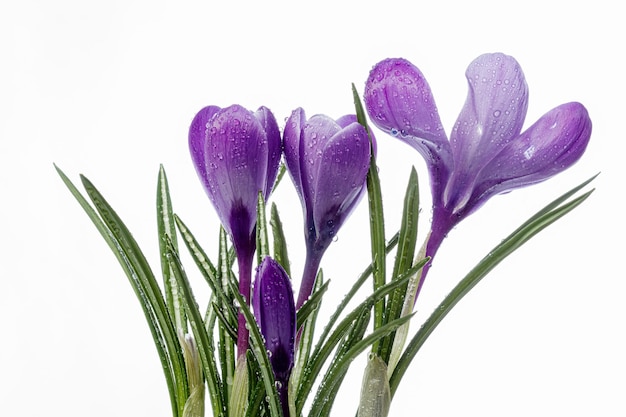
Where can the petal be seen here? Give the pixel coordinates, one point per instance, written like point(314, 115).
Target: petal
point(236, 155)
point(274, 145)
point(275, 312)
point(340, 180)
point(554, 143)
point(399, 101)
point(197, 139)
point(316, 134)
point(292, 137)
point(493, 114)
point(348, 119)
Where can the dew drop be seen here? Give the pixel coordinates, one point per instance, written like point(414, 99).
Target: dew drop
point(496, 113)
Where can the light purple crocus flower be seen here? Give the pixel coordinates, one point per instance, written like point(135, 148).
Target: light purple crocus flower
point(487, 153)
point(236, 154)
point(328, 161)
point(275, 313)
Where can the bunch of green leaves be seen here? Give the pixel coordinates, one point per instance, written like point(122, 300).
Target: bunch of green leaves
point(197, 348)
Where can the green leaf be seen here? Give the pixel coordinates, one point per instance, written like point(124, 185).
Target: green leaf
point(377, 220)
point(281, 173)
point(169, 351)
point(312, 304)
point(348, 297)
point(280, 244)
point(530, 228)
point(404, 259)
point(227, 355)
point(326, 344)
point(306, 322)
point(208, 271)
point(262, 241)
point(327, 397)
point(338, 368)
point(202, 338)
point(166, 227)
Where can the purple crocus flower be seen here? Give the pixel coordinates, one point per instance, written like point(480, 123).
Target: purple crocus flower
point(275, 313)
point(487, 153)
point(236, 154)
point(328, 161)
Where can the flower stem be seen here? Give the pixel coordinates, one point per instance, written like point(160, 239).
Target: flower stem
point(244, 260)
point(311, 265)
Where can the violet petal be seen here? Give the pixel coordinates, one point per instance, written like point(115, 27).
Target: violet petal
point(341, 179)
point(197, 138)
point(554, 143)
point(399, 101)
point(493, 114)
point(275, 313)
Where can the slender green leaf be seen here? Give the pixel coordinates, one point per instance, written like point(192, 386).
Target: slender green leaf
point(262, 241)
point(530, 228)
point(202, 338)
point(325, 345)
point(404, 259)
point(313, 301)
point(227, 324)
point(131, 270)
point(165, 226)
point(355, 334)
point(306, 322)
point(281, 173)
point(227, 354)
point(339, 367)
point(377, 220)
point(348, 297)
point(208, 271)
point(280, 244)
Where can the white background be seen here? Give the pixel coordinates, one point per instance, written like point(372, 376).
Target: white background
point(108, 89)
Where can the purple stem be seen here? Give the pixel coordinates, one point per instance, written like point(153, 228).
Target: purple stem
point(244, 260)
point(283, 394)
point(442, 223)
point(311, 265)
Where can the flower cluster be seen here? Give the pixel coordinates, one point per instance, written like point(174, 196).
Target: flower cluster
point(237, 152)
point(254, 346)
point(487, 153)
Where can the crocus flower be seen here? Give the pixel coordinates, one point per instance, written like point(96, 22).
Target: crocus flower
point(487, 153)
point(328, 161)
point(275, 313)
point(236, 154)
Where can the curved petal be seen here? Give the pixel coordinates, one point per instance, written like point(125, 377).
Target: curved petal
point(274, 146)
point(554, 143)
point(236, 155)
point(197, 139)
point(316, 134)
point(341, 180)
point(493, 114)
point(399, 101)
point(292, 136)
point(348, 119)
